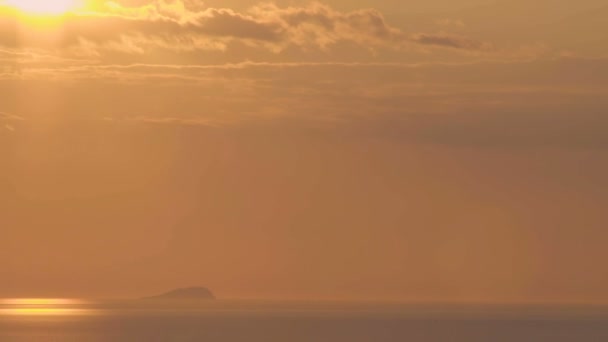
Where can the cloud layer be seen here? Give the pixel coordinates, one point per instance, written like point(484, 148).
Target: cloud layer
point(175, 26)
point(176, 62)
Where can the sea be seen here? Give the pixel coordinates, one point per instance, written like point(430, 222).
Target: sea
point(59, 320)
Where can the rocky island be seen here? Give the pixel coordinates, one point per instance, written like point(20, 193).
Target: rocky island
point(189, 293)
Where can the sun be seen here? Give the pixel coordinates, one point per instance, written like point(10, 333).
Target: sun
point(44, 7)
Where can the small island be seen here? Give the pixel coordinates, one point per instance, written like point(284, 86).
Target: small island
point(189, 293)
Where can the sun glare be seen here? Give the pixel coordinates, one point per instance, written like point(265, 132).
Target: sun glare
point(48, 307)
point(44, 7)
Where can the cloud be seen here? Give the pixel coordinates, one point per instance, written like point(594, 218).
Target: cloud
point(177, 26)
point(8, 121)
point(457, 23)
point(10, 117)
point(449, 40)
point(543, 103)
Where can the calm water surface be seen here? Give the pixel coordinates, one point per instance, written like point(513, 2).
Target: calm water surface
point(227, 321)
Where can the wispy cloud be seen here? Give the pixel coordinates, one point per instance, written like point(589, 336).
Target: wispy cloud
point(10, 117)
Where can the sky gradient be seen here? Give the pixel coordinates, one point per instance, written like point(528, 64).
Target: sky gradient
point(414, 150)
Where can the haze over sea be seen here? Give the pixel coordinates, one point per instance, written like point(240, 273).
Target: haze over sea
point(434, 151)
point(252, 321)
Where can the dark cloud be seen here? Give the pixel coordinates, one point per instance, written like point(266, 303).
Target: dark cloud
point(227, 23)
point(447, 40)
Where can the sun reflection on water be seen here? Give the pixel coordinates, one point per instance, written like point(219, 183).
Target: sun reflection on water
point(49, 307)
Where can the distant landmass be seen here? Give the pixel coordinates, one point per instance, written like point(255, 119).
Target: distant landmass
point(188, 293)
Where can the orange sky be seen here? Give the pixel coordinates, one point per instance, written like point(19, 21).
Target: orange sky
point(436, 150)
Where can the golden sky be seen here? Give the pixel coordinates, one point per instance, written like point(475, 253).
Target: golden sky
point(418, 150)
